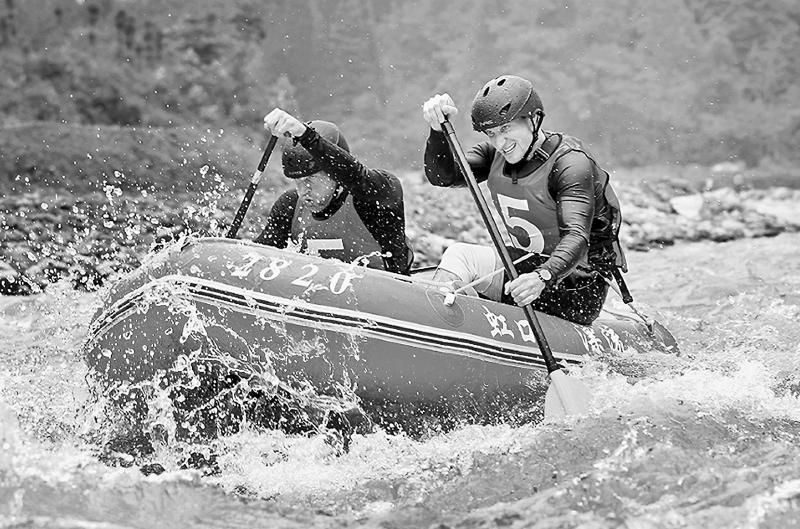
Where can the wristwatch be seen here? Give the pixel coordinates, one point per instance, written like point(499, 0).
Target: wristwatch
point(545, 275)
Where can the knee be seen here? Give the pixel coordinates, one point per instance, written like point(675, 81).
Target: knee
point(460, 258)
point(452, 265)
point(459, 249)
point(456, 255)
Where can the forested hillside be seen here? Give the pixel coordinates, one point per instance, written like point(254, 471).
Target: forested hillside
point(675, 81)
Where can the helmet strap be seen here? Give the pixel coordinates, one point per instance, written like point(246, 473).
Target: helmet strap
point(536, 128)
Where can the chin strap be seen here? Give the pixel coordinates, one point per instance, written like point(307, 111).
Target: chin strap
point(540, 155)
point(536, 153)
point(533, 159)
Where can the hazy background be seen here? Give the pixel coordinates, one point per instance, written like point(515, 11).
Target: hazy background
point(672, 82)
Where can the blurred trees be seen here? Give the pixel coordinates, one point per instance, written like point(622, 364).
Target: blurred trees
point(678, 81)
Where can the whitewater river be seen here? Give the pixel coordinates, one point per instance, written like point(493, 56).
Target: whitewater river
point(707, 439)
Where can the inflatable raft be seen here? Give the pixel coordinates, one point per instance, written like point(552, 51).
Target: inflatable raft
point(309, 322)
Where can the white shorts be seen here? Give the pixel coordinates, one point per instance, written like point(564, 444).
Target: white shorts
point(472, 261)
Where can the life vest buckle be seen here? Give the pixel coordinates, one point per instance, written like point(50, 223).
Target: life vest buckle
point(541, 154)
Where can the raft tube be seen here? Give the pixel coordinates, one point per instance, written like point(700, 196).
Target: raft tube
point(305, 321)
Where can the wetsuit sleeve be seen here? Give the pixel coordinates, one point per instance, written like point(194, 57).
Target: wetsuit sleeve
point(278, 228)
point(440, 167)
point(381, 210)
point(377, 196)
point(338, 163)
point(571, 184)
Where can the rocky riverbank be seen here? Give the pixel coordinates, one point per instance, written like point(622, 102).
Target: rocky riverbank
point(47, 234)
point(654, 215)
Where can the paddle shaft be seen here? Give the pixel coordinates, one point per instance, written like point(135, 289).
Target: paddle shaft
point(251, 189)
point(494, 232)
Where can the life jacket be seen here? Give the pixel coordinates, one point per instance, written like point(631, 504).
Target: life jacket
point(341, 236)
point(529, 210)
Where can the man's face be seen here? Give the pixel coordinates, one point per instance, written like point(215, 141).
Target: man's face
point(512, 139)
point(316, 190)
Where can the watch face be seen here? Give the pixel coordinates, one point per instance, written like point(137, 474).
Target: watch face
point(546, 275)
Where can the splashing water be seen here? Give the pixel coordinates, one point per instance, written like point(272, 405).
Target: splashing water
point(705, 439)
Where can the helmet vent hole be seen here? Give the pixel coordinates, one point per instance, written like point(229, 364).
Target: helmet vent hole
point(486, 92)
point(504, 110)
point(501, 82)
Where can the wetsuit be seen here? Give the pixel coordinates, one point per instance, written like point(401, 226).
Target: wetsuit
point(561, 208)
point(374, 195)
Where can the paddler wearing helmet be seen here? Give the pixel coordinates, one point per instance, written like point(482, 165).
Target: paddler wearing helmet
point(553, 197)
point(339, 208)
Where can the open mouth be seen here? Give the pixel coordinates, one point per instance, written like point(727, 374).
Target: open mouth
point(508, 149)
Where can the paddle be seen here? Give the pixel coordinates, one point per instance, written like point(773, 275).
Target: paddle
point(565, 396)
point(251, 189)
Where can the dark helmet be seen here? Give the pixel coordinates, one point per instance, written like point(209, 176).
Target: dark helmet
point(504, 99)
point(298, 162)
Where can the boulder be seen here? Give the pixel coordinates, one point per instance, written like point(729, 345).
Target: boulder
point(688, 206)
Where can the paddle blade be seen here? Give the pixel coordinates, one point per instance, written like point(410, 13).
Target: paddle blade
point(565, 396)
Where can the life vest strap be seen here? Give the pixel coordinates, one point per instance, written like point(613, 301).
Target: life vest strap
point(623, 287)
point(540, 155)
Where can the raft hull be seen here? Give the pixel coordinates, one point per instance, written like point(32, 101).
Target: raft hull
point(323, 324)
